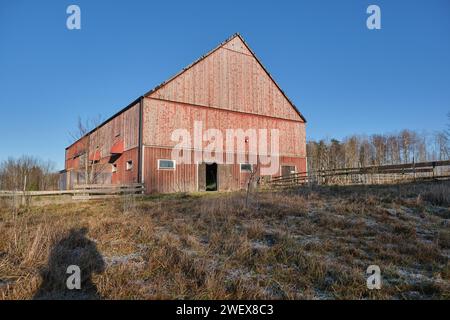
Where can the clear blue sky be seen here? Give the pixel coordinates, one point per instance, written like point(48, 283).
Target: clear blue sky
point(343, 77)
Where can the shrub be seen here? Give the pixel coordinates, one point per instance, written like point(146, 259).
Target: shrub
point(438, 194)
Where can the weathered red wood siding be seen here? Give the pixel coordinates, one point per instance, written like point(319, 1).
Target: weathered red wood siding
point(299, 163)
point(228, 89)
point(73, 153)
point(124, 176)
point(123, 127)
point(185, 177)
point(161, 118)
point(229, 78)
point(182, 179)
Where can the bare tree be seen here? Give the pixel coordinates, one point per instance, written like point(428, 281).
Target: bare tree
point(379, 143)
point(393, 149)
point(378, 149)
point(351, 146)
point(92, 143)
point(27, 174)
point(442, 141)
point(252, 181)
point(421, 152)
point(406, 142)
point(447, 132)
point(366, 153)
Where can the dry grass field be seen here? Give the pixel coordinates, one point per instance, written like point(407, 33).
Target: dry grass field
point(293, 244)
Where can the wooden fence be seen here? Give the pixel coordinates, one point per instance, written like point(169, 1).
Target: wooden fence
point(83, 192)
point(386, 174)
point(102, 191)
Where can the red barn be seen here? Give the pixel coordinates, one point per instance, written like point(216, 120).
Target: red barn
point(211, 110)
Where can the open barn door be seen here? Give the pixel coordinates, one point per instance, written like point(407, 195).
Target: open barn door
point(207, 177)
point(201, 176)
point(225, 177)
point(211, 177)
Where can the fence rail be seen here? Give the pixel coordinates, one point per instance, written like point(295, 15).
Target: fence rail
point(432, 170)
point(83, 192)
point(105, 191)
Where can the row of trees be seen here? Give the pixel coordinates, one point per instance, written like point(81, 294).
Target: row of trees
point(28, 173)
point(355, 151)
point(32, 174)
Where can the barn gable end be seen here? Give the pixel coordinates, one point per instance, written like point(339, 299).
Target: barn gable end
point(230, 77)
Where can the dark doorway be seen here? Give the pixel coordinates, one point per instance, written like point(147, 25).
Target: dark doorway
point(211, 177)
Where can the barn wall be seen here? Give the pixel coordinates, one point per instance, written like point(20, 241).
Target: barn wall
point(182, 179)
point(228, 89)
point(229, 78)
point(161, 118)
point(73, 154)
point(124, 127)
point(185, 176)
point(124, 176)
point(299, 163)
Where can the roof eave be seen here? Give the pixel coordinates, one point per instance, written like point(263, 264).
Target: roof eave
point(107, 120)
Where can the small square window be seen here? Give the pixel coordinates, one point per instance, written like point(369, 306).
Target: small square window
point(287, 170)
point(114, 167)
point(166, 164)
point(129, 165)
point(246, 167)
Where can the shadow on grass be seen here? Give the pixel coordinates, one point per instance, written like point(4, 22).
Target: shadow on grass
point(74, 249)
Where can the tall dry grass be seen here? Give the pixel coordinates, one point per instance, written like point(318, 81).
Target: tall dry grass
point(295, 244)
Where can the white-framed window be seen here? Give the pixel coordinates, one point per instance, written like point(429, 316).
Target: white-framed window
point(129, 164)
point(166, 164)
point(114, 167)
point(246, 167)
point(288, 169)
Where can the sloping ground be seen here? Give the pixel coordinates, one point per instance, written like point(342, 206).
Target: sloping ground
point(297, 244)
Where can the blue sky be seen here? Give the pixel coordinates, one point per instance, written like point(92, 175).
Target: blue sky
point(343, 77)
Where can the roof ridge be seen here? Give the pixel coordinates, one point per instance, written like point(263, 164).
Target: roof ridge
point(271, 78)
point(234, 35)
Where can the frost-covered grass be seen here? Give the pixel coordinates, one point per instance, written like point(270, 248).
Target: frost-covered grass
point(294, 244)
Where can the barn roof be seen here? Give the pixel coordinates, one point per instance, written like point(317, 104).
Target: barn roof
point(188, 67)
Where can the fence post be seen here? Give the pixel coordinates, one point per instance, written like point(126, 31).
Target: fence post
point(24, 189)
point(434, 166)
